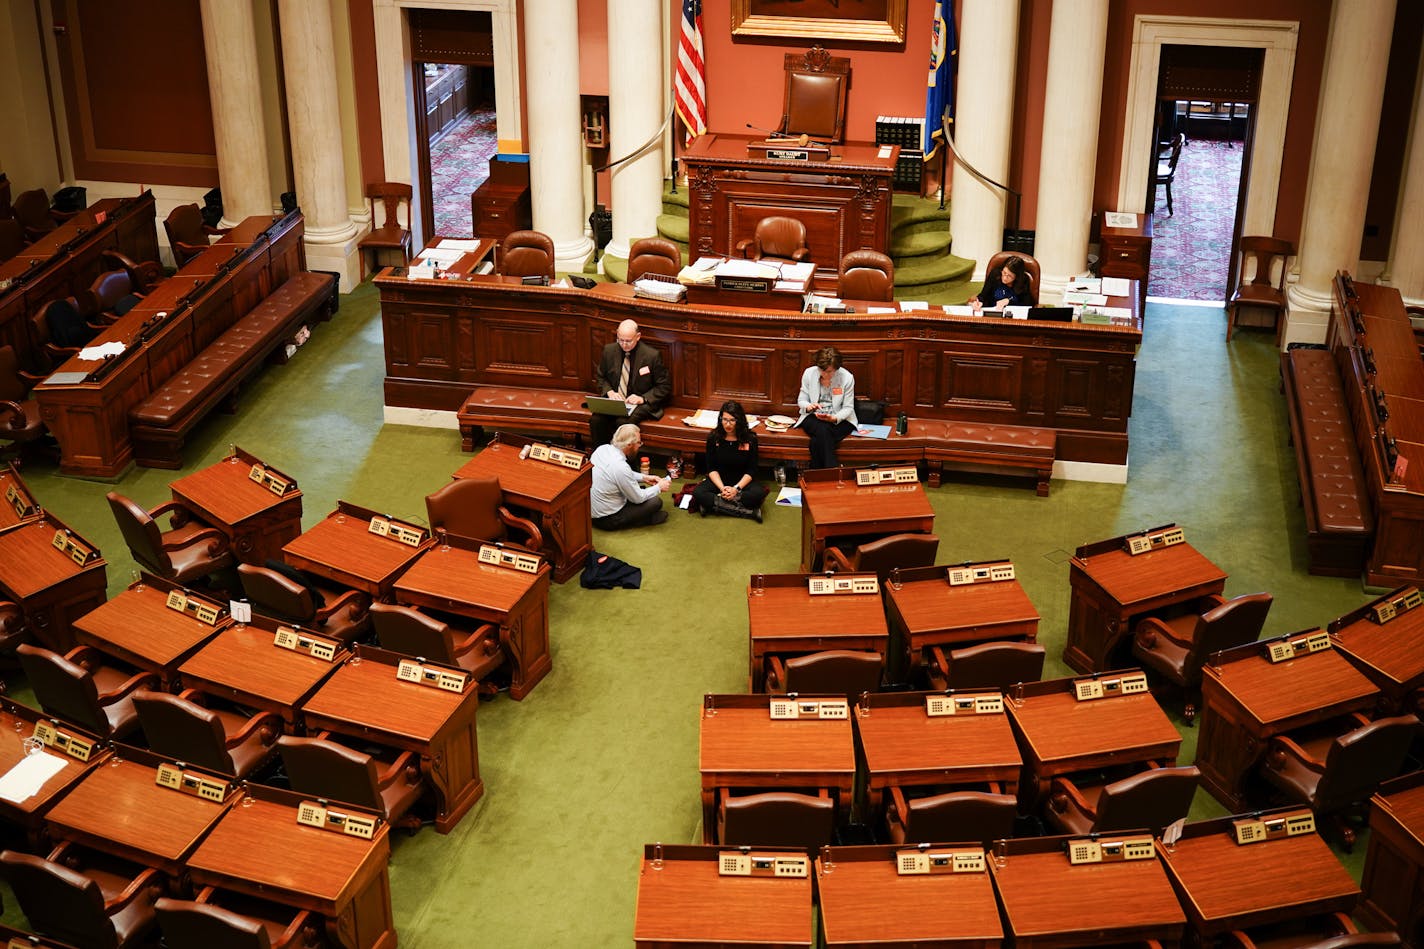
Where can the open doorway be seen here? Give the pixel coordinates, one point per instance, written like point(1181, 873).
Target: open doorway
point(1205, 117)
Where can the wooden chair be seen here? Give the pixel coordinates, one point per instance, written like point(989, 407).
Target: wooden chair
point(59, 329)
point(834, 671)
point(294, 597)
point(783, 238)
point(32, 211)
point(143, 276)
point(1177, 648)
point(1031, 267)
point(390, 235)
point(986, 666)
point(474, 508)
point(1151, 800)
point(527, 254)
point(775, 819)
point(217, 920)
point(653, 255)
point(1261, 257)
point(227, 742)
point(408, 631)
point(107, 905)
point(1166, 171)
point(188, 236)
point(1329, 931)
point(109, 297)
point(866, 275)
point(884, 555)
point(953, 817)
point(190, 551)
point(388, 786)
point(815, 100)
point(79, 688)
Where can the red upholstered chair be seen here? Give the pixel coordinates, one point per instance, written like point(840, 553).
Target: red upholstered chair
point(775, 819)
point(299, 598)
point(408, 631)
point(1177, 648)
point(220, 920)
point(866, 275)
point(387, 785)
point(190, 551)
point(954, 817)
point(835, 671)
point(1149, 800)
point(527, 254)
point(1265, 259)
point(78, 687)
point(391, 235)
point(227, 742)
point(780, 237)
point(103, 904)
point(653, 255)
point(474, 508)
point(188, 236)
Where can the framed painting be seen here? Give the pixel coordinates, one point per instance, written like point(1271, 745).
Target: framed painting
point(852, 21)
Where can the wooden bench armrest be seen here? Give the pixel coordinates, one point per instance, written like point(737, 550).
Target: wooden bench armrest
point(12, 411)
point(775, 673)
point(1283, 745)
point(897, 811)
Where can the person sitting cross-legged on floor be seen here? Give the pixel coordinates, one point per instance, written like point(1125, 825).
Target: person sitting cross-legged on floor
point(731, 486)
point(621, 497)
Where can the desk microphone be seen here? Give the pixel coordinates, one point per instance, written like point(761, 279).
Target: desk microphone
point(767, 132)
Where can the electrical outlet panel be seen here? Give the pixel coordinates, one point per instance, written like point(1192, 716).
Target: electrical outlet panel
point(315, 815)
point(1112, 850)
point(867, 477)
point(922, 862)
point(408, 670)
point(1169, 536)
point(738, 864)
point(511, 559)
point(842, 583)
point(790, 708)
point(276, 483)
point(1291, 647)
point(987, 572)
point(72, 745)
point(294, 639)
point(397, 531)
point(937, 706)
point(175, 778)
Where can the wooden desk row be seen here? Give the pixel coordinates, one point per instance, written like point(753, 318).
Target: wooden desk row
point(1028, 891)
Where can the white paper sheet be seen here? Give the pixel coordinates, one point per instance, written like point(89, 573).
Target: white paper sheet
point(461, 244)
point(1116, 286)
point(28, 775)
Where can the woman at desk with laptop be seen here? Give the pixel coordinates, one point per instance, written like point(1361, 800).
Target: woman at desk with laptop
point(1011, 286)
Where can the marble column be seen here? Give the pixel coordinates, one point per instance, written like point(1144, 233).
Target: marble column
point(318, 158)
point(635, 110)
point(1077, 42)
point(983, 129)
point(1342, 158)
point(235, 90)
point(1405, 269)
point(555, 136)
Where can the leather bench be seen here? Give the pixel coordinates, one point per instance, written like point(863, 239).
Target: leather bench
point(159, 424)
point(977, 445)
point(556, 412)
point(1338, 516)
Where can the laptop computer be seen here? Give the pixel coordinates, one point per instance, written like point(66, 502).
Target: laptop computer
point(605, 406)
point(1058, 314)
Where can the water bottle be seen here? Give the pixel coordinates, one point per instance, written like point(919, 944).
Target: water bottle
point(902, 424)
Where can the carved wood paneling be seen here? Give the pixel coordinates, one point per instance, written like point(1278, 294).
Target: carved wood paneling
point(741, 374)
point(982, 380)
point(523, 348)
point(1075, 388)
point(926, 379)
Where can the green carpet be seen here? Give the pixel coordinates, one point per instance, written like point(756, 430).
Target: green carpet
point(602, 756)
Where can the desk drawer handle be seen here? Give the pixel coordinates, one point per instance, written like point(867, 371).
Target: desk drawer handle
point(1124, 255)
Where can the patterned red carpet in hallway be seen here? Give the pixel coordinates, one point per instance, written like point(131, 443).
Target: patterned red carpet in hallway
point(459, 163)
point(1191, 248)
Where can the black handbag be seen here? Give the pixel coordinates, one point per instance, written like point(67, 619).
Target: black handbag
point(870, 411)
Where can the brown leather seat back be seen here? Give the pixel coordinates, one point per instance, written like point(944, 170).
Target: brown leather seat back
point(960, 817)
point(63, 688)
point(653, 255)
point(332, 771)
point(995, 665)
point(12, 387)
point(1359, 760)
point(410, 632)
point(183, 730)
point(32, 210)
point(141, 533)
point(189, 925)
point(835, 671)
point(1151, 800)
point(898, 550)
point(780, 236)
point(1236, 622)
point(866, 275)
point(527, 254)
point(1031, 267)
point(276, 595)
point(778, 819)
point(814, 102)
point(58, 901)
point(111, 287)
point(468, 507)
point(184, 224)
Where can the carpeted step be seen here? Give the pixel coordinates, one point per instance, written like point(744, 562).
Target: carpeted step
point(675, 203)
point(615, 269)
point(675, 229)
point(932, 278)
point(906, 247)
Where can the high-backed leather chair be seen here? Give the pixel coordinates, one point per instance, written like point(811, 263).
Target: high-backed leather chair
point(1265, 259)
point(954, 817)
point(866, 275)
point(1031, 267)
point(60, 329)
point(178, 726)
point(19, 416)
point(1151, 799)
point(815, 100)
point(144, 275)
point(188, 236)
point(32, 211)
point(780, 237)
point(835, 671)
point(189, 551)
point(336, 772)
point(109, 297)
point(12, 238)
point(987, 666)
point(236, 923)
point(408, 631)
point(775, 819)
point(1177, 648)
point(1322, 931)
point(474, 508)
point(340, 614)
point(654, 255)
point(527, 254)
point(106, 906)
point(79, 688)
point(1331, 770)
point(391, 235)
point(884, 555)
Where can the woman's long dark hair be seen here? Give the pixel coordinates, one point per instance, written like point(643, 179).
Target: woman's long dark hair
point(734, 409)
point(1023, 287)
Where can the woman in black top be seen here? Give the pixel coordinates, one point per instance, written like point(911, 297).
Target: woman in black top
point(731, 486)
point(1011, 286)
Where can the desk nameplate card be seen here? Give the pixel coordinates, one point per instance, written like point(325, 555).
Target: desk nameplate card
point(923, 861)
point(1130, 683)
point(71, 745)
point(278, 484)
point(832, 584)
point(743, 863)
point(1292, 645)
point(989, 571)
point(791, 708)
point(396, 530)
point(175, 778)
point(298, 641)
point(1254, 830)
point(1088, 850)
point(409, 670)
point(869, 477)
point(315, 814)
point(199, 609)
point(937, 706)
point(1169, 535)
point(74, 548)
point(510, 559)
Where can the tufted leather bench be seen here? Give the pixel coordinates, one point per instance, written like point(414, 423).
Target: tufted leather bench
point(979, 445)
point(159, 424)
point(557, 412)
point(1333, 492)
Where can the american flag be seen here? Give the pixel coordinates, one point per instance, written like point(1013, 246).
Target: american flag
point(689, 87)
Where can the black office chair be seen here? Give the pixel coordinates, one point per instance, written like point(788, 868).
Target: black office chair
point(1166, 171)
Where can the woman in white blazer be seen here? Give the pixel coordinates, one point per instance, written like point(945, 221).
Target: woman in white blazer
point(827, 404)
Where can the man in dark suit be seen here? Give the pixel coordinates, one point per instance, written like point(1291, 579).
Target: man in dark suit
point(633, 371)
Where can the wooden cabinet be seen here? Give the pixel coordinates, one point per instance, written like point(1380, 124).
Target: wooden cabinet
point(446, 98)
point(1127, 252)
point(501, 204)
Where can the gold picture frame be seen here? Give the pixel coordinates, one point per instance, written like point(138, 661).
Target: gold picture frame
point(821, 20)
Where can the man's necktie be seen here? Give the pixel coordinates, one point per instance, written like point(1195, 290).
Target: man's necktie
point(623, 376)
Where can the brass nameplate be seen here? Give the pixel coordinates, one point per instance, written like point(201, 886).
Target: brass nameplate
point(1156, 540)
point(199, 609)
point(556, 456)
point(271, 480)
point(1254, 830)
point(352, 825)
point(298, 641)
point(868, 477)
point(1132, 683)
point(733, 863)
point(790, 707)
point(71, 745)
point(1110, 851)
point(513, 560)
point(980, 573)
point(821, 586)
point(73, 548)
point(937, 706)
point(171, 776)
point(923, 862)
point(396, 530)
point(1386, 610)
point(408, 670)
point(743, 284)
point(1288, 648)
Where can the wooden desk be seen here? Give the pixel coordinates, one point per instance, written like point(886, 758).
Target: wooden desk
point(927, 611)
point(19, 938)
point(16, 502)
point(17, 722)
point(450, 577)
point(1247, 700)
point(739, 746)
point(1112, 590)
point(1391, 655)
point(242, 664)
point(257, 522)
point(259, 849)
point(784, 619)
point(902, 746)
point(138, 627)
point(833, 506)
point(866, 904)
point(49, 586)
point(468, 261)
point(683, 902)
point(342, 549)
point(552, 496)
point(1127, 252)
point(363, 698)
point(117, 808)
point(1394, 863)
point(1060, 735)
point(1049, 902)
point(1226, 886)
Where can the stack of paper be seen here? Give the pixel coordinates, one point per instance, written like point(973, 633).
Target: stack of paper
point(707, 418)
point(1115, 286)
point(92, 353)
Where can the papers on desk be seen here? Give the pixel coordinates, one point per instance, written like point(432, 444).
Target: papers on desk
point(1086, 299)
point(1017, 312)
point(665, 290)
point(94, 353)
point(800, 273)
point(963, 309)
point(1116, 286)
point(910, 306)
point(485, 267)
point(881, 309)
point(29, 774)
point(819, 303)
point(462, 244)
point(441, 254)
point(748, 268)
point(707, 418)
point(1084, 285)
point(789, 496)
point(421, 270)
point(1119, 219)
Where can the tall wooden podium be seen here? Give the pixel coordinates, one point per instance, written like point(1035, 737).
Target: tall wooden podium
point(844, 200)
